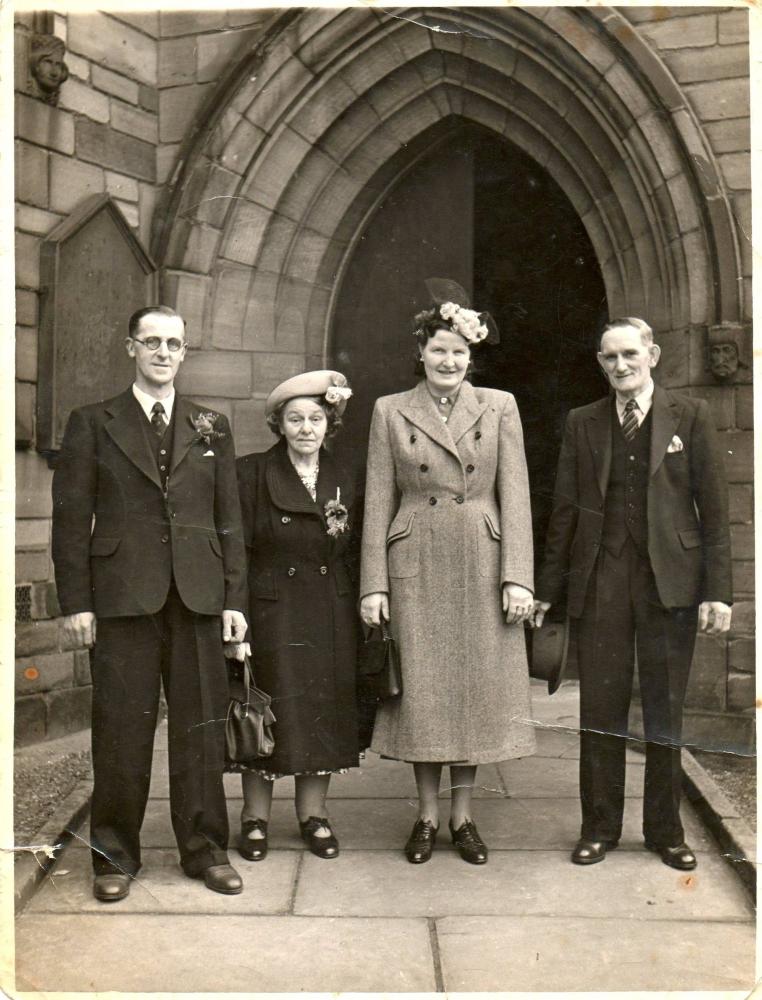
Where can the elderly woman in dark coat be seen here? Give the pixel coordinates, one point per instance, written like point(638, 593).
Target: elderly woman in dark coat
point(298, 509)
point(447, 557)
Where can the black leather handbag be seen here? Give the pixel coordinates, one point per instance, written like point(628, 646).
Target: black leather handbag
point(248, 724)
point(379, 667)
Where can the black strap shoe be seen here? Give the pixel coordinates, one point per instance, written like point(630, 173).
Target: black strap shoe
point(421, 842)
point(590, 852)
point(322, 847)
point(470, 845)
point(111, 887)
point(253, 848)
point(680, 857)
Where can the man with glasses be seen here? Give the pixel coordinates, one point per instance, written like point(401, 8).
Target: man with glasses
point(150, 570)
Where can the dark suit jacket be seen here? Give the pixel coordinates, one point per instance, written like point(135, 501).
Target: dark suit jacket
point(118, 542)
point(688, 534)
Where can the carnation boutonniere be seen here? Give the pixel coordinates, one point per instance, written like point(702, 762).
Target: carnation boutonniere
point(204, 425)
point(336, 515)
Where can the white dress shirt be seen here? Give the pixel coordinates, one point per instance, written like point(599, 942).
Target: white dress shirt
point(147, 403)
point(644, 400)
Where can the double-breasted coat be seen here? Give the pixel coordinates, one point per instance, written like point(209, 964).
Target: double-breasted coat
point(447, 522)
point(303, 622)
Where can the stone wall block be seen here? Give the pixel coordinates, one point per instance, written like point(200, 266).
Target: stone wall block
point(741, 691)
point(78, 67)
point(708, 678)
point(31, 174)
point(700, 283)
point(216, 373)
point(148, 98)
point(738, 452)
point(249, 427)
point(280, 82)
point(32, 566)
point(230, 297)
point(721, 401)
point(213, 203)
point(36, 637)
point(246, 231)
point(134, 121)
point(177, 61)
point(733, 27)
point(736, 170)
point(277, 167)
point(269, 369)
point(45, 601)
point(216, 53)
point(743, 619)
point(684, 202)
point(146, 21)
point(71, 181)
point(742, 541)
point(741, 209)
point(741, 503)
point(44, 125)
point(241, 147)
point(694, 65)
point(166, 161)
point(115, 84)
point(82, 672)
point(114, 45)
point(178, 107)
point(119, 186)
point(188, 293)
point(130, 213)
point(719, 99)
point(29, 720)
point(745, 407)
point(68, 711)
point(44, 673)
point(190, 22)
point(201, 249)
point(742, 656)
point(681, 32)
point(33, 534)
point(217, 403)
point(744, 583)
point(730, 136)
point(35, 220)
point(79, 97)
point(27, 260)
point(115, 150)
point(26, 307)
point(336, 97)
point(33, 483)
point(26, 354)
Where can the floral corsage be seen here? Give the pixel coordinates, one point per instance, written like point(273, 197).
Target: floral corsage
point(336, 515)
point(334, 394)
point(466, 322)
point(204, 424)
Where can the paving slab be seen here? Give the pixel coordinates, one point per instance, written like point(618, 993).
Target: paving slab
point(530, 777)
point(161, 887)
point(229, 953)
point(629, 884)
point(589, 955)
point(384, 824)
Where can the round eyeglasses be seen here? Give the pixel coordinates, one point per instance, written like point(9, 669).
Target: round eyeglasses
point(154, 343)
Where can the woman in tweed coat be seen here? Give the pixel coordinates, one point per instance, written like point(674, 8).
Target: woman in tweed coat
point(447, 559)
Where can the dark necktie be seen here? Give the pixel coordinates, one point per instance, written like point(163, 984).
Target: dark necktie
point(630, 422)
point(157, 419)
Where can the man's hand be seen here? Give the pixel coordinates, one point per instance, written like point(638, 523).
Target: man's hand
point(233, 626)
point(79, 629)
point(517, 603)
point(374, 607)
point(714, 617)
point(236, 650)
point(541, 608)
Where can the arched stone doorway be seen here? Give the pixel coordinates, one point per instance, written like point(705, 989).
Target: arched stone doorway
point(308, 135)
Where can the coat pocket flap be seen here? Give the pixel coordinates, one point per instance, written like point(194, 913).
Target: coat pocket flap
point(493, 528)
point(690, 537)
point(103, 546)
point(401, 530)
point(263, 587)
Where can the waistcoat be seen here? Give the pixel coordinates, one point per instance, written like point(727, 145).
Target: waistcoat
point(625, 513)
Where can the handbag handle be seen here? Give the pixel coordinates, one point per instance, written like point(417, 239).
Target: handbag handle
point(385, 633)
point(246, 686)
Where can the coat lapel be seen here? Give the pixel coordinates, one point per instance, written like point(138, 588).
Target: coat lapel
point(286, 489)
point(127, 431)
point(599, 437)
point(421, 410)
point(465, 413)
point(184, 433)
point(666, 417)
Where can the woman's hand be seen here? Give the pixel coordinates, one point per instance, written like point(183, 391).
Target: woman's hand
point(236, 650)
point(518, 603)
point(374, 607)
point(539, 611)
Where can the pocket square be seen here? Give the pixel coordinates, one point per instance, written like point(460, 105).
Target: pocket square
point(674, 445)
point(210, 453)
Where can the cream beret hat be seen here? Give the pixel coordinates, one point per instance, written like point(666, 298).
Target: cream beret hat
point(332, 385)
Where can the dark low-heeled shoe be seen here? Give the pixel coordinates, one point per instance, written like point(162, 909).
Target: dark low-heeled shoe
point(421, 842)
point(590, 852)
point(111, 887)
point(253, 848)
point(221, 878)
point(680, 857)
point(470, 845)
point(322, 847)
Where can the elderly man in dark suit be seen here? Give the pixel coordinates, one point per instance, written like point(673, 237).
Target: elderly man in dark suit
point(639, 541)
point(150, 569)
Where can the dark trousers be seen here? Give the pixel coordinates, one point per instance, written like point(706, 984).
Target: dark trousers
point(622, 616)
point(132, 657)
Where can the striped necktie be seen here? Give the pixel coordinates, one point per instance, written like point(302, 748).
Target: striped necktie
point(630, 421)
point(158, 422)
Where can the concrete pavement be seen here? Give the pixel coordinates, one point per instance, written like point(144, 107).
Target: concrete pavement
point(370, 922)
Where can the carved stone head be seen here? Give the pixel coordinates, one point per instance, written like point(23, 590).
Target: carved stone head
point(723, 360)
point(47, 66)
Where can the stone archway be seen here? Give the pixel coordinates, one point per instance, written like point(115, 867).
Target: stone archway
point(318, 122)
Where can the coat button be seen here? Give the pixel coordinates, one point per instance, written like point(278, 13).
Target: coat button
point(285, 519)
point(469, 468)
point(433, 501)
point(163, 451)
point(323, 570)
point(459, 499)
point(291, 571)
point(478, 435)
point(424, 467)
point(413, 439)
point(165, 539)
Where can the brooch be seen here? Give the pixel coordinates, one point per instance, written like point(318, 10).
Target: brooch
point(336, 515)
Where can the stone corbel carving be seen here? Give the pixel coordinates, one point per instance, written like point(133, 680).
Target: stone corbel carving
point(723, 352)
point(47, 67)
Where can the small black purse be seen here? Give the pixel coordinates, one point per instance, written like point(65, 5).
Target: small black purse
point(247, 727)
point(379, 666)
